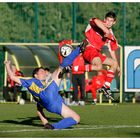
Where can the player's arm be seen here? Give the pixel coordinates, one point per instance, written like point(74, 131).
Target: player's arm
point(41, 114)
point(113, 47)
point(10, 72)
point(113, 55)
point(101, 25)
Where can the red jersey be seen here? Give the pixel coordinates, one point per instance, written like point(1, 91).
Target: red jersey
point(12, 83)
point(99, 80)
point(78, 63)
point(94, 35)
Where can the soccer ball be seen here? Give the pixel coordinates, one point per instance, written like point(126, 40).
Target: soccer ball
point(21, 101)
point(65, 50)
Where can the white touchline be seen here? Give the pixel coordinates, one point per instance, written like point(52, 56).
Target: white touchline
point(88, 127)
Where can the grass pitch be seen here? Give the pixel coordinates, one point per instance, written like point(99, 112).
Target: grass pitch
point(121, 120)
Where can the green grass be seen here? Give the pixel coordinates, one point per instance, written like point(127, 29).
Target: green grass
point(122, 120)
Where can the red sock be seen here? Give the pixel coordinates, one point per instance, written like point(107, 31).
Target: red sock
point(93, 94)
point(109, 78)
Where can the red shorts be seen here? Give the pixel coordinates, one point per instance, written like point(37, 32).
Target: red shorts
point(91, 53)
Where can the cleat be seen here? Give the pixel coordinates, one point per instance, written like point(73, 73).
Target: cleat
point(99, 90)
point(83, 45)
point(106, 92)
point(93, 103)
point(74, 103)
point(48, 126)
point(64, 70)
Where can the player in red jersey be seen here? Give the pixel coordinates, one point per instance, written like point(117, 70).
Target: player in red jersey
point(98, 33)
point(96, 83)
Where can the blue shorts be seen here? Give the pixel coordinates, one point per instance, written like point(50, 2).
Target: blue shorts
point(51, 99)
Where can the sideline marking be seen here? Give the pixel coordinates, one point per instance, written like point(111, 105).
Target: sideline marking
point(88, 127)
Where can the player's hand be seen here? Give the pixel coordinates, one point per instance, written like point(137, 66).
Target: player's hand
point(7, 62)
point(106, 35)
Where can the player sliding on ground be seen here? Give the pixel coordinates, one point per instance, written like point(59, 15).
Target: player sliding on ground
point(98, 33)
point(46, 94)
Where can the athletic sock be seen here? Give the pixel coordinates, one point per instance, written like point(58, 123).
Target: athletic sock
point(65, 123)
point(109, 78)
point(70, 58)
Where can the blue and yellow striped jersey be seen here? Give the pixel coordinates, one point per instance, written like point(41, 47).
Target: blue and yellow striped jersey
point(34, 85)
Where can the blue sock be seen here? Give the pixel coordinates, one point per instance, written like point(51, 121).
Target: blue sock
point(70, 58)
point(65, 123)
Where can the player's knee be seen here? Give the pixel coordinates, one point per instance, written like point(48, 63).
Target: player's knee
point(99, 67)
point(77, 118)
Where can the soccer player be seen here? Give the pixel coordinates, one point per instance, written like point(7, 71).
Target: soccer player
point(46, 94)
point(96, 83)
point(98, 33)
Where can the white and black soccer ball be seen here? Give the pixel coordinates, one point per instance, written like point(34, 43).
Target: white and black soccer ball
point(65, 50)
point(21, 101)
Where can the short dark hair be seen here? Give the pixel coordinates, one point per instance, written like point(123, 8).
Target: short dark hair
point(111, 14)
point(35, 71)
point(46, 68)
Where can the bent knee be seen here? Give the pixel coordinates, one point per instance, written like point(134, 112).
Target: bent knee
point(77, 118)
point(99, 67)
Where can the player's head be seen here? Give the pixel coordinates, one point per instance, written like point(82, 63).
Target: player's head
point(47, 70)
point(39, 73)
point(110, 19)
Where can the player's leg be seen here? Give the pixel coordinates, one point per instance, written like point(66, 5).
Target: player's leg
point(94, 57)
point(42, 117)
point(81, 82)
point(70, 118)
point(110, 76)
point(66, 62)
point(96, 64)
point(111, 72)
point(94, 96)
point(53, 102)
point(75, 89)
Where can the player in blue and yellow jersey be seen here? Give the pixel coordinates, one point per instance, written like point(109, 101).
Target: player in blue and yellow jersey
point(46, 93)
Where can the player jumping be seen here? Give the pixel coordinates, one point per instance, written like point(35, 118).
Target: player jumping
point(98, 33)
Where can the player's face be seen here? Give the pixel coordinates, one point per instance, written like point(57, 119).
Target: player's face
point(41, 74)
point(109, 22)
point(47, 72)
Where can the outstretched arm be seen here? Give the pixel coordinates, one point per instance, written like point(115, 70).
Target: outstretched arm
point(113, 55)
point(10, 72)
point(41, 114)
point(101, 25)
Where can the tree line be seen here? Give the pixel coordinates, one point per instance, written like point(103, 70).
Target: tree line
point(52, 22)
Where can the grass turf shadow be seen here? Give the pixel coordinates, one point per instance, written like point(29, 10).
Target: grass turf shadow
point(29, 121)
